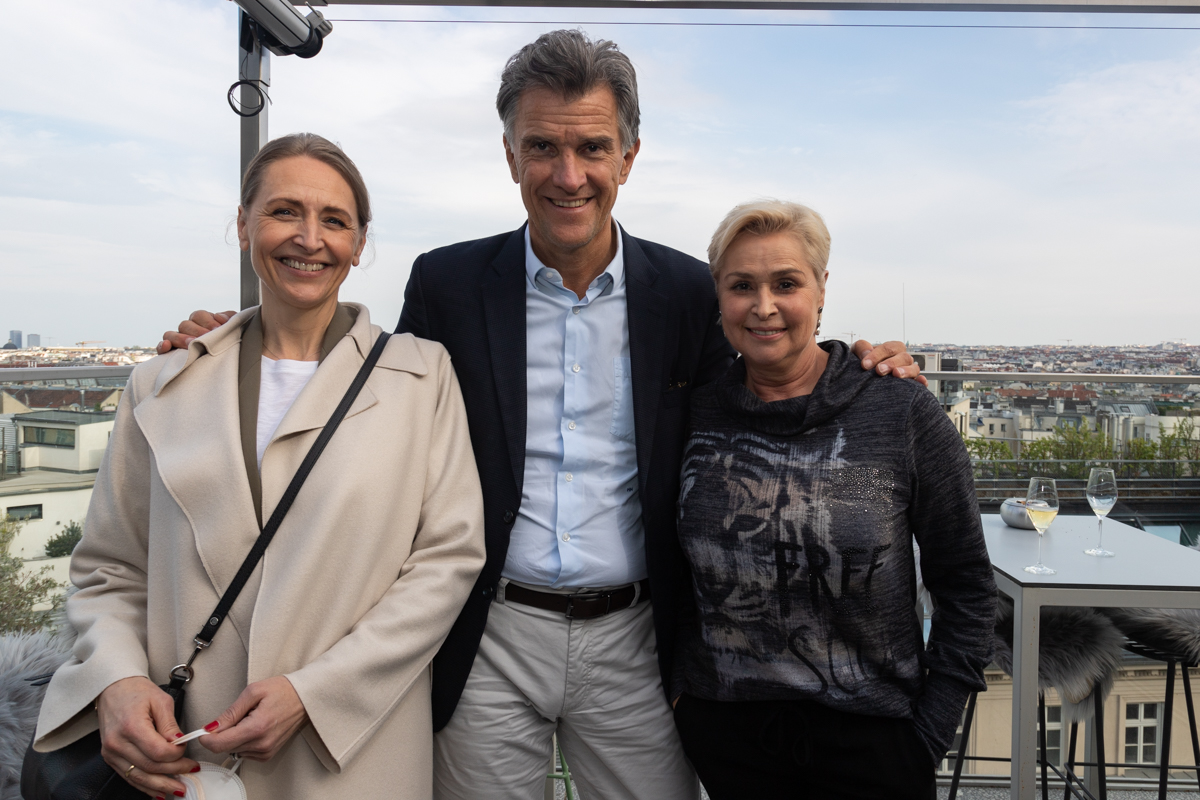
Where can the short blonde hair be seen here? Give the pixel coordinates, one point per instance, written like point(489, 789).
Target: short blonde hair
point(764, 217)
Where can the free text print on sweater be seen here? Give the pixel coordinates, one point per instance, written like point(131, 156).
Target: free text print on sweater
point(797, 518)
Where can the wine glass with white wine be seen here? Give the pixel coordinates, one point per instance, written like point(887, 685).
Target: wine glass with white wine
point(1041, 504)
point(1101, 496)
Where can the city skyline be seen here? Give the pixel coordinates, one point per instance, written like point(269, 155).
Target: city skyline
point(1012, 186)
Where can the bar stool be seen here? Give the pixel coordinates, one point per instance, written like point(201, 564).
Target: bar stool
point(1079, 652)
point(1172, 636)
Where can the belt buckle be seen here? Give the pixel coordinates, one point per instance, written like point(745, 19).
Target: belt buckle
point(571, 598)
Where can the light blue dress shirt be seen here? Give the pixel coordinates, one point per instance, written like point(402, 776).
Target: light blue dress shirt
point(580, 522)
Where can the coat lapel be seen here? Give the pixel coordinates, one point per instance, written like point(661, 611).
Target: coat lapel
point(504, 311)
point(647, 343)
point(250, 377)
point(192, 425)
point(321, 395)
point(339, 366)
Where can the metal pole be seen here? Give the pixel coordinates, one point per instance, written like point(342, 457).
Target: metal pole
point(1027, 614)
point(254, 64)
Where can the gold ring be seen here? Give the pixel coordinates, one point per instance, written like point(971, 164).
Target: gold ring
point(132, 767)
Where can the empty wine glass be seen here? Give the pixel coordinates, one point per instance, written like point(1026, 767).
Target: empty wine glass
point(1041, 504)
point(1101, 496)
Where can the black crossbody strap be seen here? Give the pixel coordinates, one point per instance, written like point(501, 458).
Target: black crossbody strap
point(205, 637)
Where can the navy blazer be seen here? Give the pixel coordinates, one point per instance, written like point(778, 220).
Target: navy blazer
point(471, 298)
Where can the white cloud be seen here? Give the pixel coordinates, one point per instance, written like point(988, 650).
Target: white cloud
point(1155, 103)
point(1060, 205)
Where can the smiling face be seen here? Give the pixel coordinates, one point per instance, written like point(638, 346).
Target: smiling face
point(769, 298)
point(302, 232)
point(567, 157)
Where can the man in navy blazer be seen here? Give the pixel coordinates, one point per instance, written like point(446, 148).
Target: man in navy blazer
point(577, 346)
point(569, 108)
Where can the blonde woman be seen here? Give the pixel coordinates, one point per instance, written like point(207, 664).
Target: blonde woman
point(804, 482)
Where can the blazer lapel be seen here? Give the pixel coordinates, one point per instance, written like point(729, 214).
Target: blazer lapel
point(504, 312)
point(647, 343)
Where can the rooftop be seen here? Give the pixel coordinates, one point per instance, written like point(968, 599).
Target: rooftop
point(71, 417)
point(37, 480)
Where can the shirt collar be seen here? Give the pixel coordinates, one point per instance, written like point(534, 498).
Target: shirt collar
point(612, 278)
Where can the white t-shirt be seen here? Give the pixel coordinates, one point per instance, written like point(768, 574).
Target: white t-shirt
point(281, 384)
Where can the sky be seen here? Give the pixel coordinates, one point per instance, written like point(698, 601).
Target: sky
point(982, 186)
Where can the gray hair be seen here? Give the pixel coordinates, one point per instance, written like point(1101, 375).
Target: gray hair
point(570, 63)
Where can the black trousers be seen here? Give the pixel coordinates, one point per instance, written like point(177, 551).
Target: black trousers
point(800, 749)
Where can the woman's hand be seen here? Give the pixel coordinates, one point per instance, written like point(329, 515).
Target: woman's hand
point(137, 727)
point(260, 722)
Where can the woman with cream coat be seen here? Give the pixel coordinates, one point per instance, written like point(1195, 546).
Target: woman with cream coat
point(333, 636)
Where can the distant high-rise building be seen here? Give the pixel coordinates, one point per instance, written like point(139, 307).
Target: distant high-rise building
point(34, 340)
point(15, 338)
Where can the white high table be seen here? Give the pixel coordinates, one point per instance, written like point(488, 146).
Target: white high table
point(1147, 572)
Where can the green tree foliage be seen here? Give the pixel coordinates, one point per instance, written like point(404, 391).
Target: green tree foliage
point(63, 543)
point(1141, 450)
point(1070, 452)
point(1182, 444)
point(1085, 446)
point(1038, 449)
point(988, 449)
point(1083, 442)
point(22, 590)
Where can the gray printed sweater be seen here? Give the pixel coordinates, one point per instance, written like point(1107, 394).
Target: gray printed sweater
point(797, 519)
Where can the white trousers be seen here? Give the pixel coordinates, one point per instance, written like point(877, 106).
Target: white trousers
point(593, 682)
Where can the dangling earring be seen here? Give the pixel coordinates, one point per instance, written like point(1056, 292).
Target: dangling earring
point(718, 319)
point(819, 310)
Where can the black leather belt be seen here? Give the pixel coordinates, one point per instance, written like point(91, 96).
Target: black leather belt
point(584, 605)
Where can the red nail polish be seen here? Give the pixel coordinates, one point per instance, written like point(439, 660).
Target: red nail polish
point(159, 797)
point(195, 768)
point(212, 726)
point(178, 793)
point(179, 736)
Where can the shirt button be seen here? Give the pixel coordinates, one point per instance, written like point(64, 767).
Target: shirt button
point(571, 425)
point(574, 368)
point(575, 310)
point(566, 537)
point(570, 477)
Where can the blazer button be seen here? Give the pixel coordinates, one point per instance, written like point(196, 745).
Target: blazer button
point(509, 517)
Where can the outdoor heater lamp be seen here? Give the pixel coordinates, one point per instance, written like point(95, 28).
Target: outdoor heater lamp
point(284, 31)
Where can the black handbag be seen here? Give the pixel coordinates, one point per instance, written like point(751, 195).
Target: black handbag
point(77, 771)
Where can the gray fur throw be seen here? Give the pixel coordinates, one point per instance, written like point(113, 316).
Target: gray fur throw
point(1174, 630)
point(22, 656)
point(1078, 649)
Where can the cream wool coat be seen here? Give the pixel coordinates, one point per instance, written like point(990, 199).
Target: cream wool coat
point(354, 595)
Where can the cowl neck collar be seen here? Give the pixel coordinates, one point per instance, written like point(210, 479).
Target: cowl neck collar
point(836, 389)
